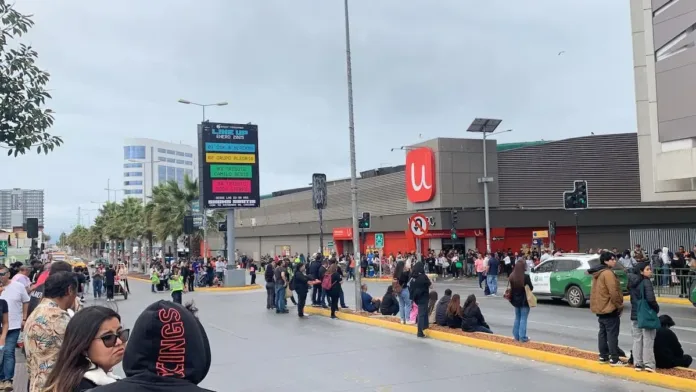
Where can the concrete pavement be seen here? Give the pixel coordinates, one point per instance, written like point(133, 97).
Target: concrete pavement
point(257, 350)
point(554, 321)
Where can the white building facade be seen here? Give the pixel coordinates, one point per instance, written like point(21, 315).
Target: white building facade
point(148, 163)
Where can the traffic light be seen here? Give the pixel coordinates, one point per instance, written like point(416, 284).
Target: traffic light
point(577, 198)
point(453, 233)
point(364, 221)
point(455, 218)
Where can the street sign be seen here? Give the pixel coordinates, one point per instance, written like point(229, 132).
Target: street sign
point(196, 212)
point(419, 225)
point(540, 234)
point(330, 244)
point(228, 163)
point(379, 240)
point(3, 249)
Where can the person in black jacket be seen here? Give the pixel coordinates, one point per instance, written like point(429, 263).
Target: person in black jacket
point(301, 287)
point(668, 350)
point(472, 318)
point(109, 282)
point(175, 362)
point(453, 316)
point(94, 344)
point(518, 299)
point(334, 293)
point(420, 290)
point(640, 287)
point(441, 308)
point(323, 293)
point(389, 305)
point(270, 285)
point(314, 271)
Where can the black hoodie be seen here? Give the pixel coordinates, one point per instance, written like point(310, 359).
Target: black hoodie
point(168, 351)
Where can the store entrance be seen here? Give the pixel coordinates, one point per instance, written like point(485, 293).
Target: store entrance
point(449, 244)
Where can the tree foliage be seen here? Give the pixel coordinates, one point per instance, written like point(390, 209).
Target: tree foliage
point(23, 120)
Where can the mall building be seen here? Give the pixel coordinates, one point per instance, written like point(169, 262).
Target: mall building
point(529, 180)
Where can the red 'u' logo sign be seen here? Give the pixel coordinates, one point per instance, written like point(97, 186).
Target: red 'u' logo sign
point(420, 175)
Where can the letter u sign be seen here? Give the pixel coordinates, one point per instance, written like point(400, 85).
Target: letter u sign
point(420, 175)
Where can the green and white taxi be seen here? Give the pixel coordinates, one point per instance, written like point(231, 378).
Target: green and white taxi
point(566, 277)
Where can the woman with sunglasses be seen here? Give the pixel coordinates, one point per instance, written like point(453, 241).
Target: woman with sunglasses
point(94, 344)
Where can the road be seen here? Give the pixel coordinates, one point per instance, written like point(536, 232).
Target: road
point(257, 350)
point(552, 321)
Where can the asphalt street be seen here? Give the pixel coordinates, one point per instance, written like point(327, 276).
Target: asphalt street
point(552, 321)
point(257, 350)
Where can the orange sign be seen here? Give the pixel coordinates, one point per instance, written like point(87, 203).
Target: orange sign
point(343, 233)
point(420, 175)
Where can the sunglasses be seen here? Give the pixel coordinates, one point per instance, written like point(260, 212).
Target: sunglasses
point(110, 339)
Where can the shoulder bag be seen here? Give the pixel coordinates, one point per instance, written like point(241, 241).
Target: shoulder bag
point(647, 317)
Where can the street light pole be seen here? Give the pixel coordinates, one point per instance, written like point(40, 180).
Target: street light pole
point(353, 169)
point(230, 221)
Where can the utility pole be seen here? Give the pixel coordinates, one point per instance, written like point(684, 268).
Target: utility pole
point(79, 216)
point(108, 190)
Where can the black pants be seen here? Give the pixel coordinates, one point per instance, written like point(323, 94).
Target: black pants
point(422, 315)
point(176, 296)
point(608, 337)
point(301, 299)
point(253, 278)
point(316, 294)
point(109, 291)
point(270, 295)
point(191, 280)
point(334, 304)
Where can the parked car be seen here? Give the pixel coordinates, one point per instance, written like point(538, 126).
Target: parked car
point(565, 277)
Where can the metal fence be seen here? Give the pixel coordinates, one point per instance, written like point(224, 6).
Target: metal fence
point(673, 282)
point(652, 239)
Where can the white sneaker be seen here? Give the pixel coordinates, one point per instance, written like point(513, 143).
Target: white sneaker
point(411, 322)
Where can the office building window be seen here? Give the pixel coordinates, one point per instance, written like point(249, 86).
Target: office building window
point(134, 152)
point(132, 165)
point(126, 183)
point(162, 159)
point(188, 163)
point(171, 173)
point(133, 174)
point(180, 176)
point(171, 160)
point(162, 150)
point(179, 153)
point(133, 192)
point(161, 174)
point(179, 162)
point(188, 155)
point(189, 173)
point(170, 152)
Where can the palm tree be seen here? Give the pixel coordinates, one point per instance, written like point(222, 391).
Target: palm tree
point(130, 217)
point(171, 204)
point(46, 237)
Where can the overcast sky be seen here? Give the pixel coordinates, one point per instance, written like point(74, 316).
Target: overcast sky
point(422, 69)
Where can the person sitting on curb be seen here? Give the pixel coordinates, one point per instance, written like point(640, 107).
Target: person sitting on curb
point(668, 350)
point(472, 318)
point(369, 304)
point(454, 313)
point(432, 303)
point(389, 305)
point(441, 308)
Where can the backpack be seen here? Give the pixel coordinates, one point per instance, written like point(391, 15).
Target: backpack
point(396, 287)
point(292, 283)
point(326, 282)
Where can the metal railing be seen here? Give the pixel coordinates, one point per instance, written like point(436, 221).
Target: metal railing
point(673, 281)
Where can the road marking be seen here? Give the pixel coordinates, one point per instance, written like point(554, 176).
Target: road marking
point(690, 329)
point(219, 328)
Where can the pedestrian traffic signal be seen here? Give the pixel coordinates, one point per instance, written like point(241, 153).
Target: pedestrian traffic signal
point(455, 218)
point(577, 198)
point(364, 221)
point(453, 233)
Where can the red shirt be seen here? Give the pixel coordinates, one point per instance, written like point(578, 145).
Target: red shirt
point(42, 278)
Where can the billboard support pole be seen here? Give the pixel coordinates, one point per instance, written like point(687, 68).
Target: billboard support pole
point(321, 232)
point(230, 236)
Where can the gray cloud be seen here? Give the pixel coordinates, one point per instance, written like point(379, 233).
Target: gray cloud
point(420, 67)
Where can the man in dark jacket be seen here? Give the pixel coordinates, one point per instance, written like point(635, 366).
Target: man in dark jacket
point(168, 351)
point(606, 301)
point(320, 276)
point(419, 292)
point(441, 308)
point(314, 271)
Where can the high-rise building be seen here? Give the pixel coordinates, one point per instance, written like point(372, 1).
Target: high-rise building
point(148, 163)
point(16, 205)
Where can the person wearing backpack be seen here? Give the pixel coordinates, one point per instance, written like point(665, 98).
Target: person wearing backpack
point(644, 320)
point(270, 286)
point(331, 284)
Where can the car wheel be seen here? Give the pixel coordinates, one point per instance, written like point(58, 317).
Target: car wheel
point(575, 297)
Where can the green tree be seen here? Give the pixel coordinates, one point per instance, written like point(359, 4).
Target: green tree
point(171, 204)
point(23, 121)
point(62, 239)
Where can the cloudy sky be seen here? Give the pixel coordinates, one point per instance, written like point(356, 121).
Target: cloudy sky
point(422, 69)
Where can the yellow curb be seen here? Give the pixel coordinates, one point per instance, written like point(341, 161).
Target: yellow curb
point(242, 288)
point(207, 289)
point(375, 279)
point(668, 300)
point(661, 380)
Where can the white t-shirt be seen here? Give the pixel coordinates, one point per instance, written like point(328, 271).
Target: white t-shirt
point(16, 296)
point(220, 266)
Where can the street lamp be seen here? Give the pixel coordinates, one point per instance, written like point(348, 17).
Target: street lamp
point(202, 105)
point(353, 169)
point(486, 126)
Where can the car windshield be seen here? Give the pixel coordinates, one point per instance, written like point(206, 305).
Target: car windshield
point(593, 262)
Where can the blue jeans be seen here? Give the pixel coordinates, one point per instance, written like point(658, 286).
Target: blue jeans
point(280, 298)
point(666, 275)
point(404, 304)
point(492, 281)
point(519, 329)
point(7, 369)
point(97, 284)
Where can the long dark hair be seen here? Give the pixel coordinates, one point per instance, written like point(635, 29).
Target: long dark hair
point(72, 363)
point(453, 309)
point(399, 270)
point(470, 302)
point(516, 278)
